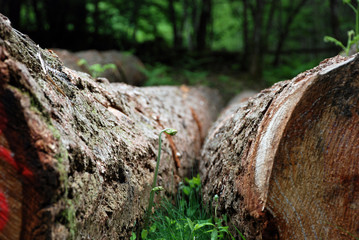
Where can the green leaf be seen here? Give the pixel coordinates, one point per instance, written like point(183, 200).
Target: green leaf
point(223, 229)
point(218, 221)
point(240, 234)
point(158, 189)
point(214, 235)
point(335, 41)
point(170, 131)
point(190, 224)
point(133, 236)
point(81, 62)
point(153, 228)
point(144, 234)
point(168, 220)
point(197, 180)
point(186, 190)
point(109, 66)
point(200, 225)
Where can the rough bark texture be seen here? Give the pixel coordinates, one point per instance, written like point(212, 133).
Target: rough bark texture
point(77, 156)
point(285, 162)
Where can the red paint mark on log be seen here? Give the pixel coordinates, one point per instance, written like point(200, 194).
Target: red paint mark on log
point(6, 155)
point(26, 173)
point(4, 211)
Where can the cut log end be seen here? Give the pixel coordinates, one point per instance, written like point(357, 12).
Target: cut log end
point(286, 161)
point(315, 176)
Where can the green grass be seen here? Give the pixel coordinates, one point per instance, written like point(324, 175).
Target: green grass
point(186, 217)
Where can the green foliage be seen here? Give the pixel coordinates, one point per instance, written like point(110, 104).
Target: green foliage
point(149, 27)
point(158, 74)
point(352, 39)
point(226, 26)
point(96, 69)
point(69, 217)
point(288, 70)
point(161, 74)
point(187, 218)
point(170, 131)
point(353, 36)
point(196, 77)
point(133, 236)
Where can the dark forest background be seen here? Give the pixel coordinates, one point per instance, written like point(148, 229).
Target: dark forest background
point(262, 41)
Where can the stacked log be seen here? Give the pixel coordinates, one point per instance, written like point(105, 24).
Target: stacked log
point(285, 162)
point(77, 154)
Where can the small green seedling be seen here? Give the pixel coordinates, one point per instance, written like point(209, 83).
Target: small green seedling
point(133, 236)
point(157, 189)
point(171, 132)
point(96, 69)
point(353, 36)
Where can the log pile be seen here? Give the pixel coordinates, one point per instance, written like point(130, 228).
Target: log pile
point(77, 154)
point(285, 163)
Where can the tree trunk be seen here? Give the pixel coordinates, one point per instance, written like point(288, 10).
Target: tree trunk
point(285, 163)
point(173, 20)
point(137, 4)
point(245, 34)
point(204, 21)
point(256, 56)
point(283, 33)
point(77, 156)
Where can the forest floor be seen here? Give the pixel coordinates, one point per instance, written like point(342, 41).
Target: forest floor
point(223, 71)
point(228, 80)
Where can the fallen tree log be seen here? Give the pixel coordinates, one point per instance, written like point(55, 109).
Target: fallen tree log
point(285, 163)
point(77, 154)
point(128, 67)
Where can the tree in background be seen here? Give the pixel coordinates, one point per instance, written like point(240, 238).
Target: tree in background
point(258, 32)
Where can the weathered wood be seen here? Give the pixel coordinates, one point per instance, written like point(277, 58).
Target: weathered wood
point(285, 162)
point(77, 155)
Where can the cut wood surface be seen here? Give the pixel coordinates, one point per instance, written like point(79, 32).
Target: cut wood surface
point(77, 155)
point(285, 163)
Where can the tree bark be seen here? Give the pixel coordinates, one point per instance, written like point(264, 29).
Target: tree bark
point(285, 163)
point(77, 155)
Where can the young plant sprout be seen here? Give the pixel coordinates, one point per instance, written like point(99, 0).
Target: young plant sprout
point(171, 132)
point(353, 36)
